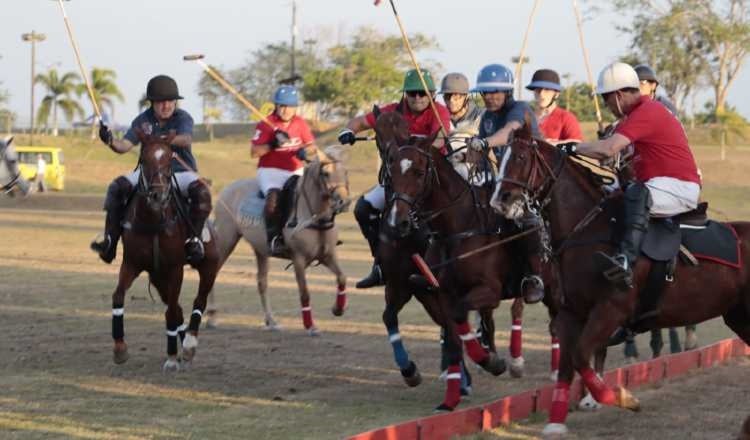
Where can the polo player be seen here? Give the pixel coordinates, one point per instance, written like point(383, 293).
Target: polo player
point(556, 124)
point(648, 85)
point(414, 106)
point(158, 120)
point(503, 115)
point(278, 146)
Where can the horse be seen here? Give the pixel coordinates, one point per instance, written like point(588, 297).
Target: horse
point(534, 173)
point(154, 232)
point(310, 233)
point(745, 434)
point(426, 188)
point(11, 180)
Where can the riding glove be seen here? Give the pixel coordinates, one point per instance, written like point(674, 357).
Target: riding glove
point(478, 144)
point(346, 136)
point(280, 137)
point(105, 134)
point(606, 132)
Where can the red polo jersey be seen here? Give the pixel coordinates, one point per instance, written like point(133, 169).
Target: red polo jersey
point(284, 157)
point(560, 125)
point(660, 142)
point(422, 124)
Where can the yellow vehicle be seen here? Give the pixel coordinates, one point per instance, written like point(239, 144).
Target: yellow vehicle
point(54, 175)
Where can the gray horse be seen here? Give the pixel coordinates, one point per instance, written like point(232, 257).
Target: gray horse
point(11, 180)
point(322, 192)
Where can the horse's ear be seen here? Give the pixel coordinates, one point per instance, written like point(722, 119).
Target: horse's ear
point(8, 141)
point(376, 111)
point(525, 131)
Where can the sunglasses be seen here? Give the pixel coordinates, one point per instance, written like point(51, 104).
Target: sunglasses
point(415, 93)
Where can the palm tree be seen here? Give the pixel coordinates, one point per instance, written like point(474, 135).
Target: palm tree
point(59, 90)
point(105, 91)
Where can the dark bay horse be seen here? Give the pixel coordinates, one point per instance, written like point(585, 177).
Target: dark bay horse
point(395, 252)
point(10, 173)
point(534, 172)
point(153, 239)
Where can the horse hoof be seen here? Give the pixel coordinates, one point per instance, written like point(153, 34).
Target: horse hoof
point(313, 331)
point(554, 431)
point(272, 327)
point(588, 403)
point(553, 376)
point(411, 375)
point(337, 311)
point(120, 353)
point(442, 408)
point(494, 364)
point(627, 400)
point(516, 367)
point(171, 365)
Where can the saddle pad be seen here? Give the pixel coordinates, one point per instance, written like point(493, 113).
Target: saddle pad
point(717, 242)
point(251, 210)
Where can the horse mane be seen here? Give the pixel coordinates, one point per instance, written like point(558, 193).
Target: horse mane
point(595, 180)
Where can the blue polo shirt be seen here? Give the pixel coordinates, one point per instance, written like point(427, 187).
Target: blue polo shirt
point(181, 122)
point(513, 111)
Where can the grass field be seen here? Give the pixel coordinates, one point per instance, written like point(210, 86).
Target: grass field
point(58, 379)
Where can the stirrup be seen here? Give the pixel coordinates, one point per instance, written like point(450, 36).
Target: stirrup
point(615, 268)
point(195, 250)
point(278, 247)
point(105, 248)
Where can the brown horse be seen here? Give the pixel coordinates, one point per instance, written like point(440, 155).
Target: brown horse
point(534, 173)
point(155, 230)
point(321, 194)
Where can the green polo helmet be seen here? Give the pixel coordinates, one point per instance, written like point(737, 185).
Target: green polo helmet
point(413, 84)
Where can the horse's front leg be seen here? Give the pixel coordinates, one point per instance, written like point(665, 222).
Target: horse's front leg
point(207, 271)
point(588, 403)
point(332, 263)
point(127, 274)
point(488, 360)
point(602, 321)
point(395, 298)
point(300, 264)
point(172, 285)
point(568, 330)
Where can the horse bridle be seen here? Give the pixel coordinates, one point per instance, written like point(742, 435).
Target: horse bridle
point(539, 166)
point(429, 173)
point(146, 187)
point(330, 190)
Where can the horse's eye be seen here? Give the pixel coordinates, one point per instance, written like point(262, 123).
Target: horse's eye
point(325, 174)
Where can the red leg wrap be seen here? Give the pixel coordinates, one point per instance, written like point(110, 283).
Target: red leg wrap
point(515, 338)
point(341, 297)
point(558, 411)
point(473, 348)
point(307, 314)
point(453, 386)
point(555, 357)
point(599, 390)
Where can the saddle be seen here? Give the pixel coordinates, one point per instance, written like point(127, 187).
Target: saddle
point(690, 236)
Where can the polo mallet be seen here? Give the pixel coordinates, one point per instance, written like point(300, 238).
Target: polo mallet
point(78, 59)
point(198, 58)
point(588, 66)
point(525, 41)
point(407, 45)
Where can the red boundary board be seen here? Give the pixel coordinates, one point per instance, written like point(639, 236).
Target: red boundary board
point(521, 406)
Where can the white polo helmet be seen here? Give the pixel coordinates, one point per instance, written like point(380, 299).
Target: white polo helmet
point(617, 76)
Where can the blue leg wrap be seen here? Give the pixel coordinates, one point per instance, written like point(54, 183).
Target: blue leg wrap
point(399, 352)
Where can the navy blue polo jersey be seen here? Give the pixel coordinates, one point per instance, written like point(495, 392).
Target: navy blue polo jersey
point(181, 122)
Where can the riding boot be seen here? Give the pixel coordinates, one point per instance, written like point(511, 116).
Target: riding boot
point(200, 208)
point(618, 268)
point(532, 285)
point(271, 214)
point(115, 205)
point(368, 219)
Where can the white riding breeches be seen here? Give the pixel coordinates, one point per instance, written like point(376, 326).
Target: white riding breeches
point(183, 178)
point(672, 196)
point(376, 197)
point(274, 178)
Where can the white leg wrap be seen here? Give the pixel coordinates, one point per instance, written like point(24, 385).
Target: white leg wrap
point(189, 342)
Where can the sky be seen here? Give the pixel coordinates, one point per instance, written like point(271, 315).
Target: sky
point(143, 38)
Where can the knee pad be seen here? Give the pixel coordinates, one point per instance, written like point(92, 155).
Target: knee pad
point(364, 212)
point(200, 198)
point(117, 193)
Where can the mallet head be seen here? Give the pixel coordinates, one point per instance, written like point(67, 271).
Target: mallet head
point(194, 57)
